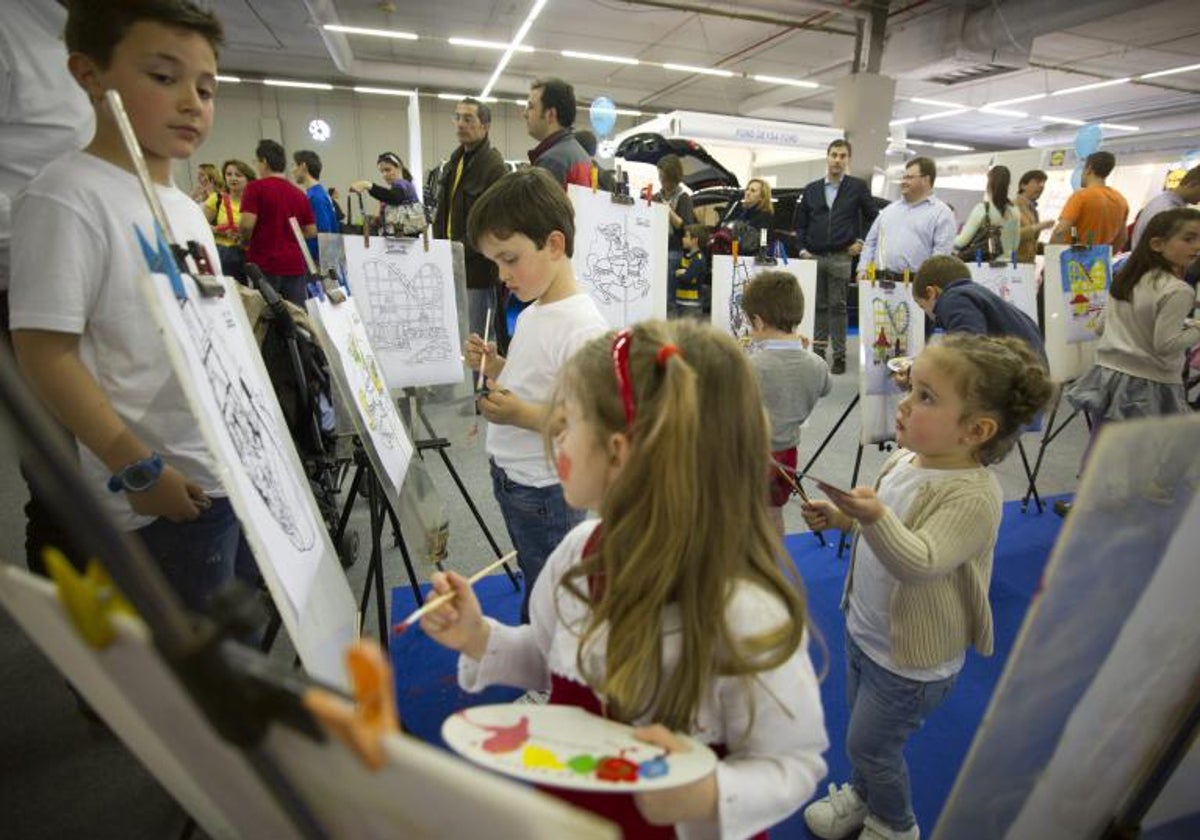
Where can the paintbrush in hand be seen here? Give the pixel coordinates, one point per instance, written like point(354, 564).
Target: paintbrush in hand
point(429, 606)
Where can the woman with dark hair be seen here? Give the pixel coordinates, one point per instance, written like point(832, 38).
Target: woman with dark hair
point(397, 191)
point(996, 216)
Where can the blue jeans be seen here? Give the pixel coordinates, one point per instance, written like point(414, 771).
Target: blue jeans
point(537, 519)
point(197, 557)
point(885, 709)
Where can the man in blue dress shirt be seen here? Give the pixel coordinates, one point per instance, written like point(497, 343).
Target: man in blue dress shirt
point(909, 231)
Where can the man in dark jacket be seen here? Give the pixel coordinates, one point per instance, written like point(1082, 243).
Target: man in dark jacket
point(473, 167)
point(832, 217)
point(549, 116)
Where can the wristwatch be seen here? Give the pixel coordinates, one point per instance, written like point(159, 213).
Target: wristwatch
point(139, 476)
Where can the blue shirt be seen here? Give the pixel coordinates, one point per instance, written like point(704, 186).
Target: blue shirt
point(322, 207)
point(905, 235)
point(831, 191)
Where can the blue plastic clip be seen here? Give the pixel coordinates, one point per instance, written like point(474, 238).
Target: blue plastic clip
point(1014, 258)
point(978, 256)
point(160, 260)
point(781, 252)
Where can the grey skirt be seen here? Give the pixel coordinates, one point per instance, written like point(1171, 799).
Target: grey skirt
point(1107, 394)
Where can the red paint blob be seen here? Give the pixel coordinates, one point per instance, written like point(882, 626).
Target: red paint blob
point(612, 769)
point(563, 464)
point(505, 739)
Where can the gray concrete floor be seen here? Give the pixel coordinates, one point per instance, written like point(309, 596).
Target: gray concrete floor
point(61, 777)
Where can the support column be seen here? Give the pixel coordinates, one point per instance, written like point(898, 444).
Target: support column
point(862, 108)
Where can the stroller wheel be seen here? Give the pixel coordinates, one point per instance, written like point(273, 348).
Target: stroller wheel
point(347, 549)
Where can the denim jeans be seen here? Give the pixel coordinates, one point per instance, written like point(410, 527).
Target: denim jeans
point(833, 283)
point(197, 557)
point(885, 709)
point(537, 519)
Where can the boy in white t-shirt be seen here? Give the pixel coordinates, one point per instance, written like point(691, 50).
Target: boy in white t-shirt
point(526, 226)
point(79, 322)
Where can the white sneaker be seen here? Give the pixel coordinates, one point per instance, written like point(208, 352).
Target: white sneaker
point(874, 829)
point(838, 815)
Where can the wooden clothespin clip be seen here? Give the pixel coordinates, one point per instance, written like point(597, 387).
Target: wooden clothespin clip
point(190, 258)
point(90, 599)
point(366, 225)
point(649, 193)
point(362, 724)
point(425, 238)
point(733, 249)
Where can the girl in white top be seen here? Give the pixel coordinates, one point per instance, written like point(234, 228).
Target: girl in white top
point(1148, 327)
point(998, 210)
point(671, 612)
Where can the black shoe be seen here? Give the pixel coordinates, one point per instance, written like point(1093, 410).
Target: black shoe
point(1062, 507)
point(838, 366)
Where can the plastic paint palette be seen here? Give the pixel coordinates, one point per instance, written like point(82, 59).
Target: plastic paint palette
point(567, 747)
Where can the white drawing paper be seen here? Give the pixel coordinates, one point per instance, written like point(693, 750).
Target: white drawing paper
point(891, 326)
point(360, 379)
point(620, 255)
point(729, 282)
point(215, 356)
point(1014, 283)
point(1068, 359)
point(407, 300)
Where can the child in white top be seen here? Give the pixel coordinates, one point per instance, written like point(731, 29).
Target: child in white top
point(1148, 327)
point(917, 590)
point(526, 226)
point(671, 612)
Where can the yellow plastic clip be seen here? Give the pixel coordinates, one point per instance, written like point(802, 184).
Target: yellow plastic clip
point(90, 599)
point(871, 272)
point(906, 273)
point(362, 724)
point(595, 177)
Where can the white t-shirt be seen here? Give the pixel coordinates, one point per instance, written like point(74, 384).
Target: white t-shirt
point(868, 617)
point(77, 267)
point(43, 112)
point(547, 335)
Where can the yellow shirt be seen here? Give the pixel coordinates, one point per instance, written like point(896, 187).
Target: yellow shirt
point(224, 227)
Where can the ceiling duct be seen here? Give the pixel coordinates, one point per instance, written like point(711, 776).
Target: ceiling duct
point(953, 44)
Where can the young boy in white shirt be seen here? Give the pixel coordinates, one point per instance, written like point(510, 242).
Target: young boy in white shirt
point(526, 226)
point(79, 323)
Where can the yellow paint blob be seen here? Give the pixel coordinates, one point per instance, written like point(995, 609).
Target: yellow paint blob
point(540, 758)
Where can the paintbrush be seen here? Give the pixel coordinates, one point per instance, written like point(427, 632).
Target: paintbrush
point(429, 606)
point(487, 326)
point(787, 475)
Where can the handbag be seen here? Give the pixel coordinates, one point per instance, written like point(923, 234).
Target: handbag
point(406, 219)
point(986, 244)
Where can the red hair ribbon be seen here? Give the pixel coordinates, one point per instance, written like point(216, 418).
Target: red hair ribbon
point(665, 352)
point(620, 356)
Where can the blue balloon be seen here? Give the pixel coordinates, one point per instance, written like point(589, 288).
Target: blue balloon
point(1087, 140)
point(1077, 176)
point(603, 113)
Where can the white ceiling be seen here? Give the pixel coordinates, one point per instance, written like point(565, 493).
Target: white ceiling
point(282, 38)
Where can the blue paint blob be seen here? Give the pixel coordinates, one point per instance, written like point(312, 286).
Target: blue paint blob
point(655, 768)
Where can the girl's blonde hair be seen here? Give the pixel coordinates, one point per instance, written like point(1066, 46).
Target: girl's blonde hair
point(215, 178)
point(1000, 377)
point(684, 521)
point(765, 203)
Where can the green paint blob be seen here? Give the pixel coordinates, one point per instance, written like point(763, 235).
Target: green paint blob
point(582, 764)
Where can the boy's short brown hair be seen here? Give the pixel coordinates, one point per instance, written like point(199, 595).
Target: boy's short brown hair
point(529, 202)
point(775, 297)
point(939, 272)
point(699, 233)
point(95, 28)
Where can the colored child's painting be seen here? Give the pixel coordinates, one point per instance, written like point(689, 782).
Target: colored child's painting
point(891, 326)
point(1086, 276)
point(565, 746)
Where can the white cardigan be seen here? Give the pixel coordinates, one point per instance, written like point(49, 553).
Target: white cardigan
point(770, 771)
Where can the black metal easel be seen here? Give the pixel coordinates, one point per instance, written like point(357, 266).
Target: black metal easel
point(1051, 432)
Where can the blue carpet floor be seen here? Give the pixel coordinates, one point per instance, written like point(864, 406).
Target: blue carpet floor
point(427, 689)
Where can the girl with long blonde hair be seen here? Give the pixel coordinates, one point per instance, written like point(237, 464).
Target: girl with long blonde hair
point(670, 612)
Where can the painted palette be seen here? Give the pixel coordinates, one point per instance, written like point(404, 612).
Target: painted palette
point(567, 747)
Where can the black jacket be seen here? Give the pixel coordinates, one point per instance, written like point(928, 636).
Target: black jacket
point(964, 306)
point(824, 230)
point(483, 167)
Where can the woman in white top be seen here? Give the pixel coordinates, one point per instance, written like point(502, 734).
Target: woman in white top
point(1000, 211)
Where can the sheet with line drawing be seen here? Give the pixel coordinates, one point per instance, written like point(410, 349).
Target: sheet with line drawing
point(1014, 283)
point(891, 325)
point(729, 282)
point(407, 300)
point(620, 256)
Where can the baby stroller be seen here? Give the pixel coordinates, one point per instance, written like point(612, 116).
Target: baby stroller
point(300, 375)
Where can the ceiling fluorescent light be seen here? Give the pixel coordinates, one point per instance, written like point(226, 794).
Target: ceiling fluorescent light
point(706, 71)
point(954, 147)
point(229, 80)
point(384, 91)
point(287, 83)
point(939, 114)
point(1064, 120)
point(513, 47)
point(1189, 68)
point(1017, 101)
point(940, 103)
point(625, 112)
point(1092, 86)
point(779, 80)
point(904, 121)
point(611, 59)
point(485, 45)
point(1002, 112)
point(458, 97)
point(1120, 127)
point(378, 33)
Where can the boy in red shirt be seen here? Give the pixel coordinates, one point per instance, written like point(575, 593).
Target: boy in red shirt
point(266, 206)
